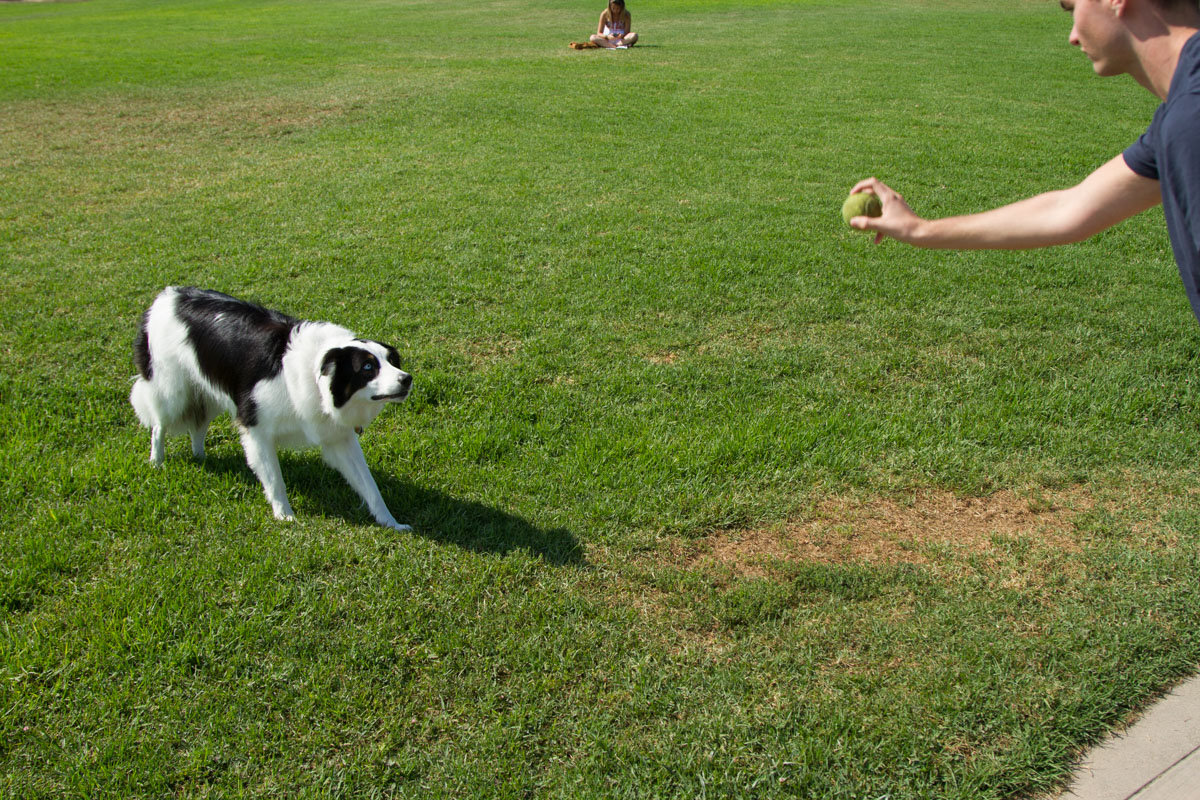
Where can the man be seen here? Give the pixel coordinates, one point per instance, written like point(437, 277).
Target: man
point(1154, 41)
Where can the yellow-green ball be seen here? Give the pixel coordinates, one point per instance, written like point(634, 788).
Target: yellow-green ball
point(861, 204)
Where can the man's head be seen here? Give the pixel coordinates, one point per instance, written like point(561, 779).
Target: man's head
point(1109, 32)
point(1099, 31)
point(1139, 38)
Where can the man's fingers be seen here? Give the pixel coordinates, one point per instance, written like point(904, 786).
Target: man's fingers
point(867, 184)
point(868, 224)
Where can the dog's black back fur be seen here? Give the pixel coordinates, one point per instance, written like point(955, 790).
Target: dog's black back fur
point(237, 343)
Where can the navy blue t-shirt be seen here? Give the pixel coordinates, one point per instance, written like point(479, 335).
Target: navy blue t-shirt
point(1169, 152)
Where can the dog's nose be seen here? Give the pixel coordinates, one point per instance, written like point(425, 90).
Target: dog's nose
point(406, 382)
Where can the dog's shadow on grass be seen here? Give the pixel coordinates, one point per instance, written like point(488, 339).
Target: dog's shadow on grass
point(316, 488)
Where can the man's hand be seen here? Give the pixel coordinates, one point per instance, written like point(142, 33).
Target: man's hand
point(897, 220)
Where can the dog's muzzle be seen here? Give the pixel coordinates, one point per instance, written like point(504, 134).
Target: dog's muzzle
point(399, 394)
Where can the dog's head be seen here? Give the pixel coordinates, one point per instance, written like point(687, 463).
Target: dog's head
point(361, 376)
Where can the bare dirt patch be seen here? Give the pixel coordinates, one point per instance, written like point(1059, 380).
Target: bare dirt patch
point(887, 531)
point(1032, 541)
point(486, 352)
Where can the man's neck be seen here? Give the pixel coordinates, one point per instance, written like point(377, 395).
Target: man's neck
point(1158, 40)
point(1160, 60)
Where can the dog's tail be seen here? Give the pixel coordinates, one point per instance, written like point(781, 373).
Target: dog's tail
point(141, 349)
point(141, 397)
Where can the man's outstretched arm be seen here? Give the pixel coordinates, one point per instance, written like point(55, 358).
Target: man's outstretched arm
point(1112, 193)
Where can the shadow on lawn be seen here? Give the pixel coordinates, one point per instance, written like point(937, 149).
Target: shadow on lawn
point(433, 514)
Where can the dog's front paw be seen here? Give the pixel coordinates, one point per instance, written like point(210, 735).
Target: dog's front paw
point(396, 526)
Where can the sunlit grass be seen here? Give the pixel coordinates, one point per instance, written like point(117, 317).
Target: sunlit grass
point(641, 336)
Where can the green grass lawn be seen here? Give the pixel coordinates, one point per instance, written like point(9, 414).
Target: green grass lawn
point(712, 497)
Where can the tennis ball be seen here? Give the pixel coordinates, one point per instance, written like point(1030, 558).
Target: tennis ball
point(861, 204)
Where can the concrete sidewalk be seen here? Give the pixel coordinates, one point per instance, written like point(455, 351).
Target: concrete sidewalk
point(1157, 758)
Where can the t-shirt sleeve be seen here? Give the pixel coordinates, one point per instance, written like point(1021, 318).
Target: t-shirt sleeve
point(1142, 156)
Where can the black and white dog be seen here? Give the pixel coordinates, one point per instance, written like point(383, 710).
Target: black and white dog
point(287, 383)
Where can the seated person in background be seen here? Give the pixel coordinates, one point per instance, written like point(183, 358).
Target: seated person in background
point(615, 26)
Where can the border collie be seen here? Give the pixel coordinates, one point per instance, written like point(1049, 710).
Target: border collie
point(287, 382)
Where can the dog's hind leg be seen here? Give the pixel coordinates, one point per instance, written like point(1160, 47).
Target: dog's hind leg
point(201, 415)
point(158, 445)
point(198, 443)
point(148, 406)
point(347, 458)
point(264, 461)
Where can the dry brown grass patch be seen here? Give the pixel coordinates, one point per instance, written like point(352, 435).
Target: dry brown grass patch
point(485, 352)
point(888, 532)
point(37, 129)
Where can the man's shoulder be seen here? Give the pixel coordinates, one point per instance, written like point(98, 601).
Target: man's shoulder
point(1184, 94)
point(1188, 69)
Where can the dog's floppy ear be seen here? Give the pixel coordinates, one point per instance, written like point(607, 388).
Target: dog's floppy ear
point(329, 364)
point(337, 365)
